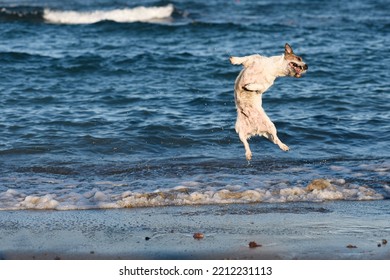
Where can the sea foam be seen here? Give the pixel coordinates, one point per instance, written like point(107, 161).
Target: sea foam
point(324, 190)
point(137, 14)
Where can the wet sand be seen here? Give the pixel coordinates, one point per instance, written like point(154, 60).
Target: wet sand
point(321, 231)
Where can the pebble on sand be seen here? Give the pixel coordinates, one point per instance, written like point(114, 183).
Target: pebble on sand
point(198, 235)
point(253, 244)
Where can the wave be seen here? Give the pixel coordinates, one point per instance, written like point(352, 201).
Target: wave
point(24, 13)
point(124, 15)
point(318, 190)
point(127, 15)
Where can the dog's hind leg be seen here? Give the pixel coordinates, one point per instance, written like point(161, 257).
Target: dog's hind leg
point(244, 140)
point(272, 136)
point(281, 145)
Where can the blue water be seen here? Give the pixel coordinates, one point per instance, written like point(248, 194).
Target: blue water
point(115, 112)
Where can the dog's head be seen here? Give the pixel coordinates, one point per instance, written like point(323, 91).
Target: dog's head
point(295, 65)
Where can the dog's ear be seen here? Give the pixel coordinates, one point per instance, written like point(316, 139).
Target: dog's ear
point(288, 49)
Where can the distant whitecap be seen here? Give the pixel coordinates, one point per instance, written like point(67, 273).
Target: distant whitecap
point(137, 14)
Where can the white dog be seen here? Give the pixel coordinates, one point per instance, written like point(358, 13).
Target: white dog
point(258, 75)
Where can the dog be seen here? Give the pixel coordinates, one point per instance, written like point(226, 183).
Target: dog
point(256, 78)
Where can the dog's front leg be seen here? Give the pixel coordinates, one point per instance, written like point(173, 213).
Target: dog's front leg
point(244, 60)
point(259, 88)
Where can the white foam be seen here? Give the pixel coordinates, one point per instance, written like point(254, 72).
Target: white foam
point(138, 14)
point(329, 190)
point(36, 202)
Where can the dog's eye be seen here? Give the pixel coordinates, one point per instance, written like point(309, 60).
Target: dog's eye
point(300, 59)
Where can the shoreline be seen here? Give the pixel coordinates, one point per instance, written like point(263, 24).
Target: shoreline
point(284, 231)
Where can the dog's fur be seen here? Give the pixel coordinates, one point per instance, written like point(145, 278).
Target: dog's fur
point(258, 75)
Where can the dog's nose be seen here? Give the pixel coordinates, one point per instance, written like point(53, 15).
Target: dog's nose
point(305, 67)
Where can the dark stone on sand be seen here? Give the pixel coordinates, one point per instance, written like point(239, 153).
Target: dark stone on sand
point(198, 235)
point(253, 244)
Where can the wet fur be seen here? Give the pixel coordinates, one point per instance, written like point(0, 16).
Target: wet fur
point(258, 75)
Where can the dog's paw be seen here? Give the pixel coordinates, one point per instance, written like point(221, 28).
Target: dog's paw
point(284, 147)
point(234, 60)
point(254, 87)
point(248, 156)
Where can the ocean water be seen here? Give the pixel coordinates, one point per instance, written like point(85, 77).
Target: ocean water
point(114, 104)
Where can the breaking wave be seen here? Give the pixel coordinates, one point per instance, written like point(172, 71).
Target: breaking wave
point(138, 14)
point(318, 190)
point(125, 15)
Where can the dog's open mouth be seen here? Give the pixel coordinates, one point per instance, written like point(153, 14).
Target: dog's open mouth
point(298, 69)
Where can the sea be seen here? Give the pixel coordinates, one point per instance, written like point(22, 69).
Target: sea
point(129, 103)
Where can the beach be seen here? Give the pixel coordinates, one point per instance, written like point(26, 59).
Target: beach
point(338, 230)
point(118, 139)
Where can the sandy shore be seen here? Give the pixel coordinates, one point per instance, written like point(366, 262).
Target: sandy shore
point(332, 230)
